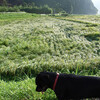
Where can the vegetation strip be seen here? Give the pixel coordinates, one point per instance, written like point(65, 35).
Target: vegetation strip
point(89, 24)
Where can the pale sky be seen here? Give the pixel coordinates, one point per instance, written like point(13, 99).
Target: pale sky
point(97, 4)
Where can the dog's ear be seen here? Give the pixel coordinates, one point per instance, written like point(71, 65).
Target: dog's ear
point(45, 77)
point(44, 74)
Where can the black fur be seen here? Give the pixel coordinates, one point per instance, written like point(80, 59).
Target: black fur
point(69, 86)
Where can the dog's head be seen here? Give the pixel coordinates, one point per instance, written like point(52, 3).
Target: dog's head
point(42, 82)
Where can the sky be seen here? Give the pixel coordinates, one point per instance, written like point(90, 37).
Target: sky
point(97, 4)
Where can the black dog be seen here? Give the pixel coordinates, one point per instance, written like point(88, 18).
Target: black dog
point(69, 86)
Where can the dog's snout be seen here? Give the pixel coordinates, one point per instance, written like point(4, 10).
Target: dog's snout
point(38, 89)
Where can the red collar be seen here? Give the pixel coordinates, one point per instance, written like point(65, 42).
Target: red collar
point(55, 81)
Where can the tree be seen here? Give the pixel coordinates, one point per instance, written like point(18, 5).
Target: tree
point(4, 3)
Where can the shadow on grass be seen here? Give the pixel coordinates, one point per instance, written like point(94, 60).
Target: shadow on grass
point(91, 37)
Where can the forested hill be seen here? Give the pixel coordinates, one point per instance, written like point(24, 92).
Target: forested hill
point(70, 6)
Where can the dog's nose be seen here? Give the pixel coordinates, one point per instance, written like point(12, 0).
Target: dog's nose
point(38, 89)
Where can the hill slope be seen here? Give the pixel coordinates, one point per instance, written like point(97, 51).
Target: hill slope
point(70, 6)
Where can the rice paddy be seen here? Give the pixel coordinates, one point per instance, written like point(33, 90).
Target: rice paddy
point(31, 43)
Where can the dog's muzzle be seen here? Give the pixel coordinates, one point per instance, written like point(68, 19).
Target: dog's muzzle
point(38, 89)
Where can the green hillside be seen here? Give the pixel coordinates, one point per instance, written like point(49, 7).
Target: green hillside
point(70, 6)
point(31, 43)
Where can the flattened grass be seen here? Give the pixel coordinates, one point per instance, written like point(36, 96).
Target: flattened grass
point(33, 43)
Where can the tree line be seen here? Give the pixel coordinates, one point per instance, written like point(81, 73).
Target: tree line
point(6, 6)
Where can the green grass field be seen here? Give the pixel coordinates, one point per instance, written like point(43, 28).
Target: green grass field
point(31, 43)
